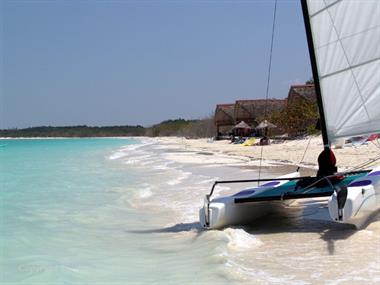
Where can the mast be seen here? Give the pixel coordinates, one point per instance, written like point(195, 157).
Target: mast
point(314, 68)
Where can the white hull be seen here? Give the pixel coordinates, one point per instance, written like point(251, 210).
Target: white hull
point(223, 211)
point(363, 200)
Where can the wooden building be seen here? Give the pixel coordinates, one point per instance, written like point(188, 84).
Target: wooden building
point(254, 111)
point(224, 117)
point(301, 109)
point(302, 92)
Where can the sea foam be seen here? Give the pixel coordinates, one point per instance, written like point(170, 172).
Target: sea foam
point(238, 239)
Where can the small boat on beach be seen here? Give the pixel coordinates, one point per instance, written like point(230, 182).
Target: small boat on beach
point(353, 200)
point(343, 39)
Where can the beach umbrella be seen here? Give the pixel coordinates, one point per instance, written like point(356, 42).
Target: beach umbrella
point(266, 125)
point(242, 125)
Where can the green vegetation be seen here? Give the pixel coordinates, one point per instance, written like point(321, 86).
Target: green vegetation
point(297, 118)
point(179, 127)
point(75, 131)
point(204, 128)
point(185, 128)
point(168, 128)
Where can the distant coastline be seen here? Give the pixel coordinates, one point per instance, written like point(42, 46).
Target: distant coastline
point(73, 132)
point(62, 138)
point(178, 127)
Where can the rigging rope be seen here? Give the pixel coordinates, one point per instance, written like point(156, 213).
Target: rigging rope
point(304, 153)
point(369, 161)
point(364, 164)
point(377, 143)
point(268, 79)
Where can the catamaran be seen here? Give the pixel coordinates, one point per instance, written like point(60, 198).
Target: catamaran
point(344, 46)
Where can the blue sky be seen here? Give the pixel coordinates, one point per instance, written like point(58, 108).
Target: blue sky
point(141, 62)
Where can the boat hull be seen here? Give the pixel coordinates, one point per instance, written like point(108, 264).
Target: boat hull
point(363, 200)
point(224, 211)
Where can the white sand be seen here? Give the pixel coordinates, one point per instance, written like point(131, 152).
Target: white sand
point(289, 152)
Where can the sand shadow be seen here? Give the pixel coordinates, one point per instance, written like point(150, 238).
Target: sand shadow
point(335, 233)
point(177, 228)
point(194, 227)
point(329, 231)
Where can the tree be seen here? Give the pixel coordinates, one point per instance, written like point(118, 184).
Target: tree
point(300, 116)
point(310, 81)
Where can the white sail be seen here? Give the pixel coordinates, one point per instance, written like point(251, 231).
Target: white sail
point(346, 36)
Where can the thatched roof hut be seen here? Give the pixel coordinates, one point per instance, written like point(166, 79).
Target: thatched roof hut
point(301, 109)
point(302, 92)
point(266, 125)
point(224, 116)
point(255, 111)
point(242, 125)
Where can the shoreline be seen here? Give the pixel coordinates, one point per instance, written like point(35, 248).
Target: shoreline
point(60, 138)
point(287, 154)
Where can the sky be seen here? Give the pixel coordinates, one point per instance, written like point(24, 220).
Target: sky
point(102, 63)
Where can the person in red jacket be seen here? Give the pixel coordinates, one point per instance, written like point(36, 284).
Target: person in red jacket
point(327, 167)
point(326, 163)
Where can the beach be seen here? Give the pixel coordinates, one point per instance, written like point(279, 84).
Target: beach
point(125, 211)
point(305, 247)
point(285, 153)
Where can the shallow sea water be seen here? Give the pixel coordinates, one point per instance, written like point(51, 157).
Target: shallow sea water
point(125, 211)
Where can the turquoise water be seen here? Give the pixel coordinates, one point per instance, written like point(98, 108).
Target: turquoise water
point(65, 215)
point(81, 211)
point(55, 198)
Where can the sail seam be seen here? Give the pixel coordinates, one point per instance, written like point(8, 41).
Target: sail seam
point(325, 8)
point(350, 36)
point(350, 67)
point(348, 62)
point(344, 127)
